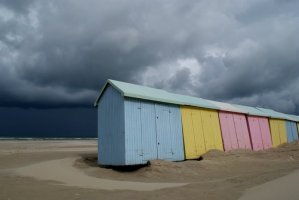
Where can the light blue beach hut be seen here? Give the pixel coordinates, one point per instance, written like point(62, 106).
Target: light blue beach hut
point(137, 124)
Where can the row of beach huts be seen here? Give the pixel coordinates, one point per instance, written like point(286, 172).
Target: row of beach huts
point(137, 124)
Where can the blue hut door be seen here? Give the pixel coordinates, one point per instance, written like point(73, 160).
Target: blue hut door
point(294, 131)
point(292, 134)
point(148, 131)
point(289, 131)
point(164, 135)
point(153, 131)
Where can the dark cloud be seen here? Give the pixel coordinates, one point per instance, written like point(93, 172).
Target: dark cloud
point(19, 7)
point(59, 53)
point(18, 122)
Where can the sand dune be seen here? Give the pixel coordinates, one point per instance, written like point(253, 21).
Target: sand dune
point(62, 171)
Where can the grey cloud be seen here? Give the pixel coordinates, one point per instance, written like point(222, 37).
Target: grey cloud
point(18, 6)
point(60, 52)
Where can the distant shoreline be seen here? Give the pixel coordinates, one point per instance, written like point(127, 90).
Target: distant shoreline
point(45, 138)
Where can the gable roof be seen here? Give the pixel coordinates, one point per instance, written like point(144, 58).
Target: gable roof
point(277, 115)
point(227, 107)
point(152, 94)
point(158, 95)
point(251, 110)
point(239, 109)
point(294, 117)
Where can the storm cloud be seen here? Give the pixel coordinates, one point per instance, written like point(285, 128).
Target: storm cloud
point(59, 53)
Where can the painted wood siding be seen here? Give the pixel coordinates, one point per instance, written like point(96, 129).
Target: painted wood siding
point(111, 136)
point(242, 131)
point(265, 131)
point(278, 132)
point(292, 134)
point(234, 130)
point(228, 131)
point(295, 131)
point(194, 141)
point(259, 132)
point(153, 131)
point(211, 128)
point(201, 131)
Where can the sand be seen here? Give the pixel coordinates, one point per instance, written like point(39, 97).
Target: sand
point(68, 170)
point(282, 188)
point(62, 170)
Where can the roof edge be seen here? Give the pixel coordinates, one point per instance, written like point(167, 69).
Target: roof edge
point(102, 90)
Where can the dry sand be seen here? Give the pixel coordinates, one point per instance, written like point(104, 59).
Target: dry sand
point(68, 170)
point(62, 170)
point(282, 188)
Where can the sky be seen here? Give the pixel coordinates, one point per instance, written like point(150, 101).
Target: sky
point(56, 55)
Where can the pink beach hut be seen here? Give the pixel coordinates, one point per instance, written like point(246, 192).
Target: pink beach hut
point(259, 129)
point(234, 129)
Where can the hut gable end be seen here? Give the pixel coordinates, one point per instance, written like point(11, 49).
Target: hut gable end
point(111, 127)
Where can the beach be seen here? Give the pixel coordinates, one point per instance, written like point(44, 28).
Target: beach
point(67, 169)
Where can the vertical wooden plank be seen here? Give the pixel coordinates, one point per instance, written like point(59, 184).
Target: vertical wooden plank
point(282, 131)
point(176, 133)
point(265, 131)
point(239, 131)
point(217, 131)
point(148, 131)
point(163, 132)
point(111, 133)
point(208, 134)
point(188, 133)
point(133, 137)
point(211, 128)
point(289, 131)
point(246, 133)
point(198, 132)
point(225, 130)
point(275, 135)
point(255, 133)
point(295, 131)
point(232, 131)
point(242, 131)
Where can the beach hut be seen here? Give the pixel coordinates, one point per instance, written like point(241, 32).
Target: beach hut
point(235, 134)
point(258, 126)
point(137, 124)
point(277, 126)
point(201, 130)
point(292, 129)
point(292, 134)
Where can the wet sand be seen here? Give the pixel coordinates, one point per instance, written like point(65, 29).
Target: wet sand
point(68, 170)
